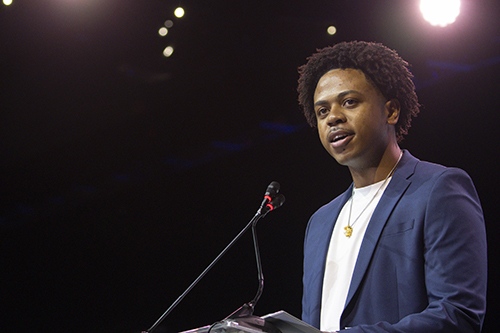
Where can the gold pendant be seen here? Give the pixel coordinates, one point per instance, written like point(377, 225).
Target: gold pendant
point(348, 231)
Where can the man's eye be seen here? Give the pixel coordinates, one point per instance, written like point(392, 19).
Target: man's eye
point(322, 111)
point(350, 102)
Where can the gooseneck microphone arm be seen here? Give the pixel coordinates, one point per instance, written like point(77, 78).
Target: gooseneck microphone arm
point(260, 274)
point(268, 204)
point(275, 203)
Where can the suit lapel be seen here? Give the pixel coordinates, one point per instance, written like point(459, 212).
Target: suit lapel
point(324, 242)
point(322, 239)
point(398, 185)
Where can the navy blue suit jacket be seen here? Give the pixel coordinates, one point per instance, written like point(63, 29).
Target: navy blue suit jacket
point(422, 265)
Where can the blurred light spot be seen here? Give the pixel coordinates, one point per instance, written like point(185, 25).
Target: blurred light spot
point(163, 31)
point(440, 12)
point(169, 23)
point(179, 12)
point(331, 30)
point(7, 2)
point(168, 51)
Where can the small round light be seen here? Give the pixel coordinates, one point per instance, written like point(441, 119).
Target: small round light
point(169, 24)
point(7, 2)
point(168, 51)
point(331, 30)
point(163, 31)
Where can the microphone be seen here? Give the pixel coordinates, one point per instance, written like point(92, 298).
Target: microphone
point(271, 192)
point(272, 189)
point(272, 200)
point(246, 310)
point(276, 202)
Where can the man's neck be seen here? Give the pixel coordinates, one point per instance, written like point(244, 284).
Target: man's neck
point(376, 170)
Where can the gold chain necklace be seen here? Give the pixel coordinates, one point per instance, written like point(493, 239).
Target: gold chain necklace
point(348, 230)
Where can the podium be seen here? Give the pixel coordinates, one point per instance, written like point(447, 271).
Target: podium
point(278, 322)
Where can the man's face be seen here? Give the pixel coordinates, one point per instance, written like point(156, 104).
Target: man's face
point(355, 122)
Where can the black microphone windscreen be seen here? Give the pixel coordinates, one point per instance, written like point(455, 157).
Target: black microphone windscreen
point(278, 201)
point(272, 189)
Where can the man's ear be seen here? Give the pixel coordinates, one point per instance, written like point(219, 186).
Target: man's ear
point(393, 108)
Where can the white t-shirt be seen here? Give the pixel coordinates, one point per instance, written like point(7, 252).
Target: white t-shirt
point(343, 252)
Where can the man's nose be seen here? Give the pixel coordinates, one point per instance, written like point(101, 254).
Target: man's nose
point(336, 116)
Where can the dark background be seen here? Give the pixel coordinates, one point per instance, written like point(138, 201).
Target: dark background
point(124, 173)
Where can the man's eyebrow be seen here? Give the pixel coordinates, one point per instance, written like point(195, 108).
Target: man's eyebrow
point(320, 102)
point(339, 96)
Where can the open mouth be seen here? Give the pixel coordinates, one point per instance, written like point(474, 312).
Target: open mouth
point(339, 137)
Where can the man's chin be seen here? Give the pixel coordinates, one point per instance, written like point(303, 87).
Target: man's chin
point(341, 156)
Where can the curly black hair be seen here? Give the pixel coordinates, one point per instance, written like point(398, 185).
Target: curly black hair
point(383, 67)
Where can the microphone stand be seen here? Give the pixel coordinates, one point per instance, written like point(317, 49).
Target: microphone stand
point(246, 309)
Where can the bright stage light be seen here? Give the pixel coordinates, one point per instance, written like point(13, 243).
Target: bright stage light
point(440, 12)
point(7, 2)
point(179, 12)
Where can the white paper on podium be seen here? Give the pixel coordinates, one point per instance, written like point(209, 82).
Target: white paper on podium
point(287, 323)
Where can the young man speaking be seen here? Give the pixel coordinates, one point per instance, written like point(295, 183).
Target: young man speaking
point(404, 248)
